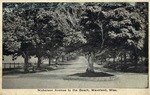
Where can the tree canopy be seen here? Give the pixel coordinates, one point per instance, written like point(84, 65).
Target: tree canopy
point(53, 29)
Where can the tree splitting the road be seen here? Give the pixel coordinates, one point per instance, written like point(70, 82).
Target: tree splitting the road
point(119, 28)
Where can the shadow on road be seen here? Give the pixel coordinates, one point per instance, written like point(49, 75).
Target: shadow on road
point(95, 74)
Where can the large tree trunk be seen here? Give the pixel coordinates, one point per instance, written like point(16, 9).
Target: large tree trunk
point(39, 61)
point(90, 67)
point(26, 59)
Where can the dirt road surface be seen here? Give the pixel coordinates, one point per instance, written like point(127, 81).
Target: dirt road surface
point(55, 79)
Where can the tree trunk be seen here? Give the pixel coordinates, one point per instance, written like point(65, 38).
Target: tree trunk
point(105, 59)
point(67, 58)
point(114, 59)
point(132, 58)
point(135, 61)
point(26, 59)
point(121, 63)
point(62, 58)
point(39, 61)
point(101, 61)
point(3, 58)
point(49, 60)
point(90, 67)
point(57, 60)
point(125, 60)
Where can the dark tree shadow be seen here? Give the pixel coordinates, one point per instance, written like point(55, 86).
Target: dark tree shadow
point(94, 74)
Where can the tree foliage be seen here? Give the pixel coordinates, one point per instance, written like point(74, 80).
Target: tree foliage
point(55, 29)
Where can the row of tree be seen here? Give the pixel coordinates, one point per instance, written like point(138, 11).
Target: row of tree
point(52, 30)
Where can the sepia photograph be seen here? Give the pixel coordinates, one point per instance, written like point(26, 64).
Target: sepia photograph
point(57, 45)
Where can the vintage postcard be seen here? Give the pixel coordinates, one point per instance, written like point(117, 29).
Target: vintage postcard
point(74, 47)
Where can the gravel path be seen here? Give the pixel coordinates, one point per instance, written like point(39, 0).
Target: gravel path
point(54, 79)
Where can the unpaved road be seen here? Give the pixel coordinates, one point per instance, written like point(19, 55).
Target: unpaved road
point(54, 79)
